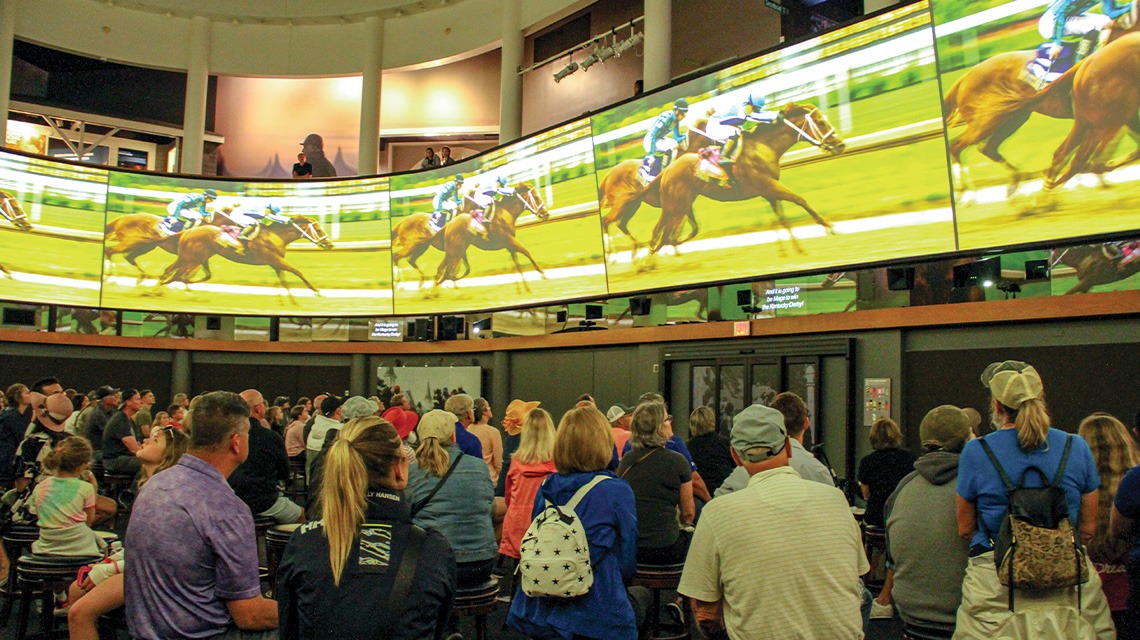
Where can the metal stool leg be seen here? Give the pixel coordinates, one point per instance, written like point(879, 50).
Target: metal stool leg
point(25, 612)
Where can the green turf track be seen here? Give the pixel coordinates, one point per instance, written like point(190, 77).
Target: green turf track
point(36, 253)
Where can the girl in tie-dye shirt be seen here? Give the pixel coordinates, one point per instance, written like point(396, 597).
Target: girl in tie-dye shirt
point(65, 502)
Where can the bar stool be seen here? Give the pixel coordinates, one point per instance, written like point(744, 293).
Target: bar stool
point(477, 602)
point(875, 546)
point(36, 574)
point(658, 578)
point(115, 487)
point(276, 539)
point(18, 539)
point(295, 488)
point(261, 524)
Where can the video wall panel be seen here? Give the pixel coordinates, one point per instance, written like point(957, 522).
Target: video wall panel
point(521, 227)
point(51, 231)
point(1038, 155)
point(836, 156)
point(826, 154)
point(257, 248)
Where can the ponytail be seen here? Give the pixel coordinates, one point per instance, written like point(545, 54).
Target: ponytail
point(1032, 422)
point(343, 486)
point(360, 458)
point(432, 457)
point(68, 455)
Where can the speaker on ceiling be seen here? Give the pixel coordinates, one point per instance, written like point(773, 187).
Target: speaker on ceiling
point(900, 278)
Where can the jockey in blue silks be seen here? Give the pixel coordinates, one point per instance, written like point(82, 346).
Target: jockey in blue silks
point(1068, 18)
point(663, 137)
point(446, 201)
point(190, 208)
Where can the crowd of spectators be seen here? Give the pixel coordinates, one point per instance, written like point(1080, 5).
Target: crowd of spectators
point(401, 512)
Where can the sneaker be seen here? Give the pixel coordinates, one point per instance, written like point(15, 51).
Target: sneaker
point(676, 614)
point(62, 604)
point(881, 611)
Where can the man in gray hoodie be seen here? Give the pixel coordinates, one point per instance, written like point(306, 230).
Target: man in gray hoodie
point(929, 558)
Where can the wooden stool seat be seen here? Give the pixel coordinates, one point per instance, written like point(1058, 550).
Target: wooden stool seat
point(276, 539)
point(35, 574)
point(658, 578)
point(18, 539)
point(477, 602)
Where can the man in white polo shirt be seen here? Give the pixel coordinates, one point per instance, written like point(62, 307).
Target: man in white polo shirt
point(780, 558)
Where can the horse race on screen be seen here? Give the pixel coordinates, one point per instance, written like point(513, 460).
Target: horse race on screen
point(51, 220)
point(824, 153)
point(515, 226)
point(1041, 100)
point(265, 248)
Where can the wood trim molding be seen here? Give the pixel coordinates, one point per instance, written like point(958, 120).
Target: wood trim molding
point(1092, 305)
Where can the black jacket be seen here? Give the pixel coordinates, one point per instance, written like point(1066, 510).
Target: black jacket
point(255, 481)
point(311, 606)
point(13, 424)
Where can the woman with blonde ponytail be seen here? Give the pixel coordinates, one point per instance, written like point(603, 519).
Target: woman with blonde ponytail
point(364, 570)
point(1022, 443)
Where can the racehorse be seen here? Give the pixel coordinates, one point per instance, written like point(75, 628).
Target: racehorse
point(989, 100)
point(137, 234)
point(413, 235)
point(622, 191)
point(11, 211)
point(457, 235)
point(196, 246)
point(1092, 266)
point(756, 172)
point(1105, 97)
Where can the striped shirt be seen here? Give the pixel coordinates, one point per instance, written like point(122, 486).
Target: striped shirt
point(785, 557)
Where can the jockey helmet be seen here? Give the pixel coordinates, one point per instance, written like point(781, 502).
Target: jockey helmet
point(681, 105)
point(210, 193)
point(459, 178)
point(756, 102)
point(272, 209)
point(501, 181)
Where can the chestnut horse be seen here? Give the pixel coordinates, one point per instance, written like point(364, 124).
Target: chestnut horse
point(1105, 97)
point(989, 100)
point(413, 235)
point(137, 234)
point(501, 235)
point(198, 245)
point(1092, 266)
point(756, 172)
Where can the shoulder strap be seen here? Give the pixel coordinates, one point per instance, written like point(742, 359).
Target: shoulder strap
point(402, 583)
point(1064, 461)
point(582, 491)
point(642, 458)
point(997, 465)
point(417, 507)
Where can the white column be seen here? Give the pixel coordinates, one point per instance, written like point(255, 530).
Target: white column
point(510, 82)
point(369, 146)
point(7, 35)
point(197, 83)
point(657, 69)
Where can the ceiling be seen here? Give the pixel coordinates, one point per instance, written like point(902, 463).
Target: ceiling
point(290, 12)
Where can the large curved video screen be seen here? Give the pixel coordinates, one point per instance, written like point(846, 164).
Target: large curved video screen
point(832, 152)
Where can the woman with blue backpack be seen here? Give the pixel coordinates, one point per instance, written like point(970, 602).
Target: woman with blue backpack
point(583, 594)
point(1027, 503)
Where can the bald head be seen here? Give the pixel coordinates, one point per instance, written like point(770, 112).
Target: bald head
point(256, 403)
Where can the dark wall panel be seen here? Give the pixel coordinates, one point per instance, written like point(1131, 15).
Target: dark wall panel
point(1078, 381)
point(84, 374)
point(270, 380)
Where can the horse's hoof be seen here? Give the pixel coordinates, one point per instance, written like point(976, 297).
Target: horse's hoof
point(830, 231)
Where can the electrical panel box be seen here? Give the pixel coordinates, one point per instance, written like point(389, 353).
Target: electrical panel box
point(876, 400)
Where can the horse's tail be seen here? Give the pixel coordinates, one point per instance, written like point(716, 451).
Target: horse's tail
point(1060, 89)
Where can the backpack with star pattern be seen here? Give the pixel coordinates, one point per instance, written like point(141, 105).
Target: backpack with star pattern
point(554, 557)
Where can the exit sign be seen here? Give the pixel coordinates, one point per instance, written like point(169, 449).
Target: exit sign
point(741, 328)
point(776, 6)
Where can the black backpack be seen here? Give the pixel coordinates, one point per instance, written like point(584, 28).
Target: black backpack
point(1037, 547)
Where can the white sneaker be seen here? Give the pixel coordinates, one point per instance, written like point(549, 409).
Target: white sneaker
point(881, 611)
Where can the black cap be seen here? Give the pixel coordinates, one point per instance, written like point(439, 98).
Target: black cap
point(104, 391)
point(330, 405)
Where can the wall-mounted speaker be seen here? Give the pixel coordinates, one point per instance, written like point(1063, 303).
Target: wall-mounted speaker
point(213, 323)
point(744, 298)
point(423, 329)
point(639, 306)
point(594, 311)
point(981, 273)
point(1036, 269)
point(20, 317)
point(562, 316)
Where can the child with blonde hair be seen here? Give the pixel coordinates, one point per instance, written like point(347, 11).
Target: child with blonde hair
point(64, 502)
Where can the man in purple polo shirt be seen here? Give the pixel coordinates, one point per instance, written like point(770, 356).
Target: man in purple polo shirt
point(193, 549)
point(463, 406)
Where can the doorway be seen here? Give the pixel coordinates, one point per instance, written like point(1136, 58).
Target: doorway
point(728, 385)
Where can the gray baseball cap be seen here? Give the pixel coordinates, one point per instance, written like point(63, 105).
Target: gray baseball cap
point(756, 427)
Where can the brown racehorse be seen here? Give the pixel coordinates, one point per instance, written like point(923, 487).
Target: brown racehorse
point(501, 234)
point(198, 245)
point(11, 211)
point(413, 235)
point(1105, 97)
point(989, 101)
point(1092, 266)
point(136, 234)
point(756, 172)
point(622, 191)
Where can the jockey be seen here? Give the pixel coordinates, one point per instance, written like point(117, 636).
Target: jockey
point(253, 220)
point(663, 137)
point(1124, 253)
point(488, 198)
point(190, 208)
point(446, 201)
point(744, 118)
point(1069, 18)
